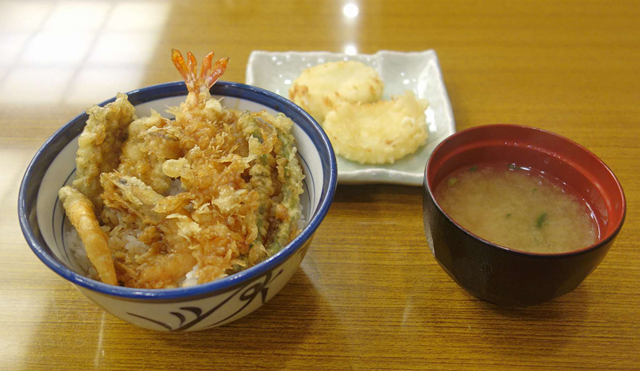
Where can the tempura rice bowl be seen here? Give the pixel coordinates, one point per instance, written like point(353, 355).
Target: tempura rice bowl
point(191, 307)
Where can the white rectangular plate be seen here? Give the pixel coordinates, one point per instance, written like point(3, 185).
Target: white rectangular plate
point(415, 71)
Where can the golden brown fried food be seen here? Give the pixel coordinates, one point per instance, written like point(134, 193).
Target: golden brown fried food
point(158, 270)
point(131, 196)
point(380, 132)
point(239, 197)
point(163, 262)
point(100, 144)
point(81, 213)
point(322, 88)
point(151, 141)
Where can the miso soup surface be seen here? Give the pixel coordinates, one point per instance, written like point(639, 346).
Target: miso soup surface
point(519, 208)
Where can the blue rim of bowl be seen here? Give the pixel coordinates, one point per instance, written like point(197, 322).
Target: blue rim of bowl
point(166, 90)
point(610, 237)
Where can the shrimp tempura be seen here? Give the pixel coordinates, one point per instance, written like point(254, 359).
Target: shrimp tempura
point(81, 213)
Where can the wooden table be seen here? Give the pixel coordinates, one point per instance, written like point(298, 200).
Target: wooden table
point(369, 294)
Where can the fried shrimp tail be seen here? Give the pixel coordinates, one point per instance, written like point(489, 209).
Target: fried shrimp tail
point(209, 73)
point(81, 213)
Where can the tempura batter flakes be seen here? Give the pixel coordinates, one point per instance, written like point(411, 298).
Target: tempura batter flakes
point(322, 88)
point(380, 132)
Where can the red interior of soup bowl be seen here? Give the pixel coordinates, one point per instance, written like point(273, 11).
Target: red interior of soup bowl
point(580, 169)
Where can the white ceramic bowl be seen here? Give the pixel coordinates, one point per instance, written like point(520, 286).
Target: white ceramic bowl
point(42, 219)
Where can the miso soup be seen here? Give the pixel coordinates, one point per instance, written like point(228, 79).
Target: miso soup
point(519, 208)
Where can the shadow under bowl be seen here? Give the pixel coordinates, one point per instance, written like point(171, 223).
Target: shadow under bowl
point(504, 275)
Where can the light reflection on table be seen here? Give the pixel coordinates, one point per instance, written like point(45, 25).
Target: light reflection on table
point(74, 52)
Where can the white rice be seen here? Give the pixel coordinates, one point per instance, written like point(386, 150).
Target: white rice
point(191, 278)
point(134, 246)
point(302, 222)
point(74, 243)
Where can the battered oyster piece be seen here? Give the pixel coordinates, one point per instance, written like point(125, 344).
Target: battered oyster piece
point(380, 132)
point(322, 88)
point(100, 144)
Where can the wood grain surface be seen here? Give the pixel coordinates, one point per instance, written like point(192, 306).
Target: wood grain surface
point(369, 295)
